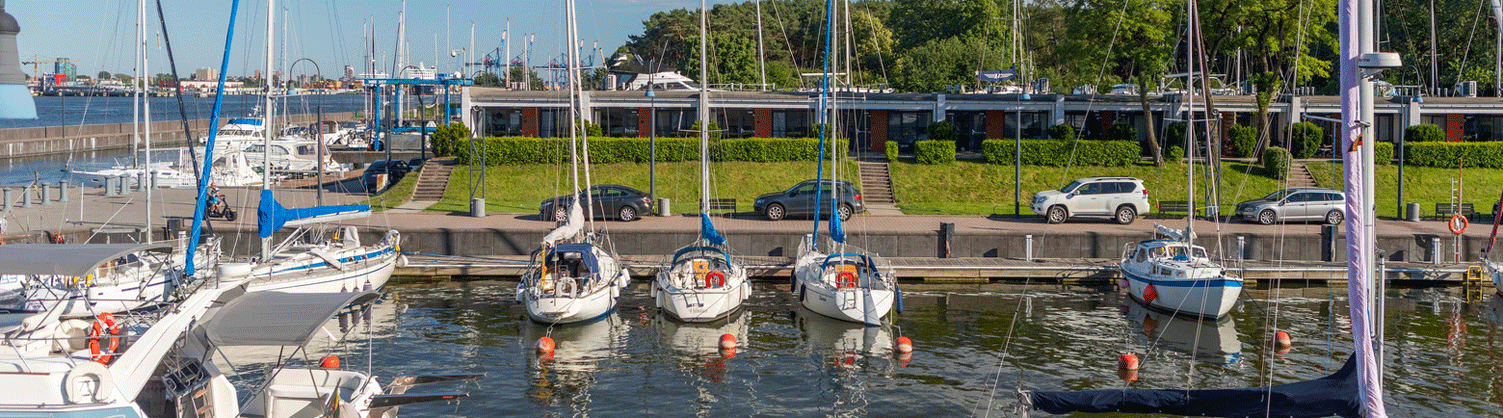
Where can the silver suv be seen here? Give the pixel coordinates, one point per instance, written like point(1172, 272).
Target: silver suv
point(1296, 204)
point(1119, 198)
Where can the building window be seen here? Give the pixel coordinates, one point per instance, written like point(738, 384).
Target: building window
point(1482, 128)
point(675, 122)
point(503, 122)
point(792, 124)
point(617, 122)
point(736, 123)
point(1437, 120)
point(551, 123)
point(905, 128)
point(856, 127)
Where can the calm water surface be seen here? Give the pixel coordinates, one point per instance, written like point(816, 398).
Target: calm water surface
point(976, 345)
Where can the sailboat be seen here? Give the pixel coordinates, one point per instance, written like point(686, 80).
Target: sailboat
point(1175, 275)
point(703, 283)
point(571, 277)
point(848, 283)
point(1357, 388)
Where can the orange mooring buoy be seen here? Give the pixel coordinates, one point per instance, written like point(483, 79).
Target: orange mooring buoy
point(329, 362)
point(1127, 375)
point(905, 345)
point(1127, 362)
point(728, 341)
point(545, 345)
point(1282, 342)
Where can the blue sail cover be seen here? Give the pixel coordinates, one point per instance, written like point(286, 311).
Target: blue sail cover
point(836, 233)
point(707, 230)
point(1334, 395)
point(271, 216)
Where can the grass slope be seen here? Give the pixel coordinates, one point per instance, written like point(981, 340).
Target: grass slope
point(1424, 185)
point(395, 195)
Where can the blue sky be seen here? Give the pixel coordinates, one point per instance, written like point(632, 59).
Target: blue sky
point(99, 35)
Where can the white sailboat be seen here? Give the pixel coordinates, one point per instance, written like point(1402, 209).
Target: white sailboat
point(703, 282)
point(572, 278)
point(1175, 275)
point(848, 283)
point(124, 277)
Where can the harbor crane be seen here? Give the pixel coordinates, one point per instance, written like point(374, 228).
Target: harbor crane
point(36, 66)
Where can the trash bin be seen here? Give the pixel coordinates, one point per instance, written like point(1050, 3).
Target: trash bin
point(663, 209)
point(1413, 214)
point(477, 207)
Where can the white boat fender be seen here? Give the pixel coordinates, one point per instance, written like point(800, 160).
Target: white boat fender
point(88, 382)
point(402, 261)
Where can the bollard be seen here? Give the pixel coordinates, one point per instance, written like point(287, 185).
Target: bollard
point(1328, 243)
point(477, 207)
point(142, 182)
point(7, 198)
point(1435, 250)
point(1241, 249)
point(62, 190)
point(1028, 247)
point(26, 198)
point(46, 194)
point(109, 186)
point(946, 232)
point(124, 183)
point(663, 209)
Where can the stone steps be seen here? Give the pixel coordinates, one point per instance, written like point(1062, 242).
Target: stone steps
point(433, 180)
point(876, 182)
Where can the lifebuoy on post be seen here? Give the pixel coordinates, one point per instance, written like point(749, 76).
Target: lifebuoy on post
point(105, 323)
point(1458, 224)
point(715, 278)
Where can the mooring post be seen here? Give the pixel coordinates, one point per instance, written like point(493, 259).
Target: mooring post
point(1242, 255)
point(143, 182)
point(946, 232)
point(46, 194)
point(1028, 247)
point(109, 186)
point(1435, 250)
point(26, 198)
point(7, 198)
point(124, 183)
point(62, 190)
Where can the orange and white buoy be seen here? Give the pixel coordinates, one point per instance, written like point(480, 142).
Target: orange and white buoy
point(545, 345)
point(329, 362)
point(1282, 343)
point(728, 341)
point(905, 345)
point(1127, 362)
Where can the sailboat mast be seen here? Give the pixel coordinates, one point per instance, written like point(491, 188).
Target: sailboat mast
point(762, 54)
point(575, 115)
point(1194, 26)
point(1356, 34)
point(704, 109)
point(271, 112)
point(145, 71)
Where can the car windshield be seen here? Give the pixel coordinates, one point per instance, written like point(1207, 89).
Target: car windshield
point(1279, 195)
point(1072, 186)
point(378, 164)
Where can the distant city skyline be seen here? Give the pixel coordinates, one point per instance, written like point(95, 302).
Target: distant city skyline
point(100, 36)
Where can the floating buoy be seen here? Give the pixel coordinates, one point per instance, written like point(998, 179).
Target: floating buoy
point(728, 341)
point(329, 362)
point(1281, 342)
point(905, 345)
point(545, 345)
point(728, 352)
point(1150, 293)
point(1127, 362)
point(1122, 283)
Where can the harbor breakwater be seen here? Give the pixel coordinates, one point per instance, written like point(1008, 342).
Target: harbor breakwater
point(50, 140)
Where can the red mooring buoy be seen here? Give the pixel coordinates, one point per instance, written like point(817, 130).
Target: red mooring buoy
point(1282, 343)
point(905, 345)
point(728, 341)
point(1128, 362)
point(545, 345)
point(329, 362)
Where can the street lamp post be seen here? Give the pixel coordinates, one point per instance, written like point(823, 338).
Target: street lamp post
point(652, 146)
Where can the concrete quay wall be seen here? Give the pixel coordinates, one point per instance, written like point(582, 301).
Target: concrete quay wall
point(46, 140)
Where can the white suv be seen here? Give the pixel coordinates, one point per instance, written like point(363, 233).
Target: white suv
point(1119, 198)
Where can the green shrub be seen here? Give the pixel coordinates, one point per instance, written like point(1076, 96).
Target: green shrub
point(934, 152)
point(1053, 152)
point(892, 150)
point(714, 131)
point(1425, 132)
point(942, 131)
point(1122, 132)
point(1244, 141)
point(1383, 153)
point(1175, 154)
point(1451, 154)
point(518, 150)
point(448, 138)
point(1306, 140)
point(1174, 133)
point(1062, 131)
point(1276, 162)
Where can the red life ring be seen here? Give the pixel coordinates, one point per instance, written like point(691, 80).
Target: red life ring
point(845, 279)
point(1150, 293)
point(1458, 224)
point(714, 278)
point(105, 323)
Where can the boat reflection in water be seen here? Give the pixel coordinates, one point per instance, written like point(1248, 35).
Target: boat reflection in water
point(566, 374)
point(1206, 340)
point(696, 347)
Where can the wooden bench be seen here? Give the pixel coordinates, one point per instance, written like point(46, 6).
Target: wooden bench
point(723, 204)
point(1443, 211)
point(1168, 209)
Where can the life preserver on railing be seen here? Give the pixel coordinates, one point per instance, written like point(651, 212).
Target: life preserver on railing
point(845, 279)
point(1458, 224)
point(105, 323)
point(715, 278)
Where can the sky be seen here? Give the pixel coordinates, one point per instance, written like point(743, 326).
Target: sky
point(100, 35)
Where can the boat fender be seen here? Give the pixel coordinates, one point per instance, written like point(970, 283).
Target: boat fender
point(1150, 293)
point(715, 278)
point(85, 376)
point(801, 290)
point(899, 294)
point(104, 324)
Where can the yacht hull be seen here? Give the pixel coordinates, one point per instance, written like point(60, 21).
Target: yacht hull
point(1211, 297)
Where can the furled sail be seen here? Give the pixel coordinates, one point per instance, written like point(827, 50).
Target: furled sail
point(1333, 395)
point(272, 216)
point(707, 231)
point(570, 228)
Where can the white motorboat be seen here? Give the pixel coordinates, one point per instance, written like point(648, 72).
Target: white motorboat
point(234, 170)
point(1178, 277)
point(237, 134)
point(125, 277)
point(850, 285)
point(293, 156)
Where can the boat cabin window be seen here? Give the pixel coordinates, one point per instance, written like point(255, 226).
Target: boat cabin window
point(1141, 256)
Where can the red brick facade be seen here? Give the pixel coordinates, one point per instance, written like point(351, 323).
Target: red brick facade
point(995, 128)
point(1455, 127)
point(763, 120)
point(530, 122)
point(644, 122)
point(879, 130)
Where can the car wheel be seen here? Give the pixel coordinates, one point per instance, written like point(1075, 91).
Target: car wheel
point(1057, 214)
point(1267, 217)
point(845, 212)
point(1126, 214)
point(559, 214)
point(1335, 217)
point(627, 213)
point(775, 212)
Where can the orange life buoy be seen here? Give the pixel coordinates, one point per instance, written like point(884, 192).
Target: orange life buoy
point(714, 278)
point(104, 323)
point(845, 279)
point(1458, 224)
point(1150, 293)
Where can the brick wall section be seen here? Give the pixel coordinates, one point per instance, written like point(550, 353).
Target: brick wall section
point(762, 121)
point(879, 130)
point(1455, 127)
point(1227, 120)
point(996, 124)
point(644, 122)
point(1107, 119)
point(530, 122)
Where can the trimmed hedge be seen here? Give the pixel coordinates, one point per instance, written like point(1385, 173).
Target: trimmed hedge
point(1425, 132)
point(1306, 140)
point(942, 131)
point(1276, 163)
point(1383, 153)
point(1122, 132)
point(521, 150)
point(1051, 152)
point(1176, 154)
point(1244, 141)
point(1449, 154)
point(934, 152)
point(892, 150)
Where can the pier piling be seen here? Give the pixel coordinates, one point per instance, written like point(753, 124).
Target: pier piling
point(62, 190)
point(46, 194)
point(109, 186)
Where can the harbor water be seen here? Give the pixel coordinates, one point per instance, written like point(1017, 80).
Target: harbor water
point(975, 347)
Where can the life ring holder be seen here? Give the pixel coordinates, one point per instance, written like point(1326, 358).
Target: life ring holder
point(88, 370)
point(715, 278)
point(845, 279)
point(1458, 224)
point(105, 323)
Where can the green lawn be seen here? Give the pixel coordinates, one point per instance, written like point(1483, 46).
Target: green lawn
point(519, 188)
point(395, 195)
point(1423, 185)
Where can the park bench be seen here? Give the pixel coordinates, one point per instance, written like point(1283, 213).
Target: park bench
point(722, 204)
point(1444, 211)
point(1169, 209)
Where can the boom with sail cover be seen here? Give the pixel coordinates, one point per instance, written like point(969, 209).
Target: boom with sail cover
point(272, 216)
point(1333, 395)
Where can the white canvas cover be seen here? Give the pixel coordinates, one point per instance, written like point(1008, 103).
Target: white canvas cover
point(277, 318)
point(66, 259)
point(570, 228)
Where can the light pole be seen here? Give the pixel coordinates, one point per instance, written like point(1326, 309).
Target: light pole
point(652, 145)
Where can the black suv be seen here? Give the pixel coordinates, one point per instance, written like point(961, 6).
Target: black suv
point(799, 200)
point(610, 200)
point(399, 168)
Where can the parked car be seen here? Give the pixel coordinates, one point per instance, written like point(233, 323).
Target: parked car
point(799, 200)
point(1119, 198)
point(609, 201)
point(398, 169)
point(1296, 204)
point(416, 162)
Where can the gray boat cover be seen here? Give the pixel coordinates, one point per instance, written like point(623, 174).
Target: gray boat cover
point(277, 318)
point(66, 259)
